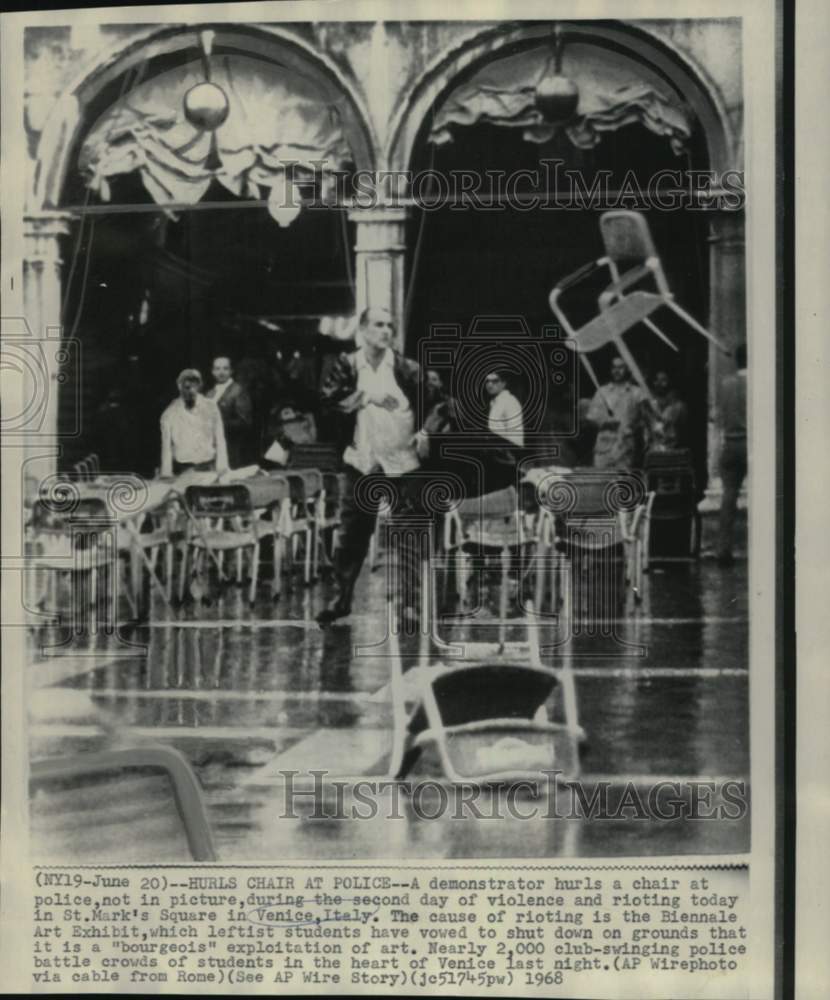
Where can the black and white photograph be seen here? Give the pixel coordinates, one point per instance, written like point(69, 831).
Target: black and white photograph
point(394, 433)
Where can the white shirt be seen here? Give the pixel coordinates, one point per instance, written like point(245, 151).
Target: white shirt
point(192, 435)
point(219, 390)
point(382, 437)
point(506, 418)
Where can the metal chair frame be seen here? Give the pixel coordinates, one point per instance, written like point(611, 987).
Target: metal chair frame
point(631, 259)
point(186, 791)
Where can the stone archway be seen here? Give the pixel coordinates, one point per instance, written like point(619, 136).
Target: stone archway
point(47, 223)
point(687, 80)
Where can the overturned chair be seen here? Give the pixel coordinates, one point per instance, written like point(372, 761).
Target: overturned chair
point(487, 718)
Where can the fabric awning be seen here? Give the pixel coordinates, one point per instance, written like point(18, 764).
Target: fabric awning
point(279, 128)
point(614, 91)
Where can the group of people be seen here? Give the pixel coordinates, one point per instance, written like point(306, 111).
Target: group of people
point(376, 393)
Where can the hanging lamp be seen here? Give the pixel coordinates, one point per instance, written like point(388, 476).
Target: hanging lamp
point(206, 104)
point(557, 96)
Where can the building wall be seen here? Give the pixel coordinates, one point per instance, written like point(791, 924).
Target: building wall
point(383, 63)
point(394, 71)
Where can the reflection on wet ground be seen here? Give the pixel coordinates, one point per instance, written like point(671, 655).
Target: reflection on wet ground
point(245, 692)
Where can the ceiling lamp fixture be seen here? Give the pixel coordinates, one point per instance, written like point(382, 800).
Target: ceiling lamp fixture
point(557, 97)
point(206, 105)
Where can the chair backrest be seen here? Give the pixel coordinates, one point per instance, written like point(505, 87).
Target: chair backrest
point(125, 805)
point(626, 236)
point(501, 503)
point(670, 473)
point(593, 493)
point(47, 515)
point(678, 458)
point(325, 457)
point(229, 500)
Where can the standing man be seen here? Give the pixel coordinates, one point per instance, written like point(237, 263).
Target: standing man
point(667, 419)
point(733, 456)
point(505, 418)
point(237, 414)
point(377, 388)
point(192, 436)
point(617, 410)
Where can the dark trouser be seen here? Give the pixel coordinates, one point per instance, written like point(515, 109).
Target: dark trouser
point(180, 467)
point(357, 525)
point(358, 515)
point(733, 473)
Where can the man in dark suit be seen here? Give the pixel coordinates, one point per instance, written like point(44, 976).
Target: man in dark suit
point(237, 415)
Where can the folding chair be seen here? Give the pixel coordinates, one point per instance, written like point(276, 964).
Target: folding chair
point(125, 805)
point(222, 519)
point(493, 522)
point(636, 533)
point(593, 533)
point(631, 258)
point(148, 536)
point(675, 533)
point(485, 720)
point(306, 494)
point(71, 543)
point(326, 459)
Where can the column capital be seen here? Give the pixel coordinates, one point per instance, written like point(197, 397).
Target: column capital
point(379, 229)
point(726, 231)
point(378, 213)
point(41, 231)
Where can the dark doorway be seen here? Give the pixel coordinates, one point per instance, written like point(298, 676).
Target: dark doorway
point(148, 293)
point(469, 262)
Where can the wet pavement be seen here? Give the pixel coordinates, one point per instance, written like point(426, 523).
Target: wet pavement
point(248, 693)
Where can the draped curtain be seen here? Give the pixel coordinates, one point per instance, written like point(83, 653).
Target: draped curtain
point(280, 128)
point(614, 91)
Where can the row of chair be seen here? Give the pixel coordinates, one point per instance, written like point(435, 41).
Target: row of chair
point(296, 513)
point(175, 544)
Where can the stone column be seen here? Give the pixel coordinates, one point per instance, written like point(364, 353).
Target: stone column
point(42, 310)
point(727, 320)
point(379, 261)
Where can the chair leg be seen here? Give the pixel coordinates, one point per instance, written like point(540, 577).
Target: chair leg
point(505, 571)
point(307, 553)
point(276, 579)
point(693, 323)
point(656, 329)
point(183, 570)
point(254, 574)
point(169, 561)
point(315, 552)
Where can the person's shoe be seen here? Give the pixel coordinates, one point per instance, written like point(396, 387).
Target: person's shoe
point(339, 609)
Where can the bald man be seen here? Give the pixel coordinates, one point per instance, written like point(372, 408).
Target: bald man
point(378, 389)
